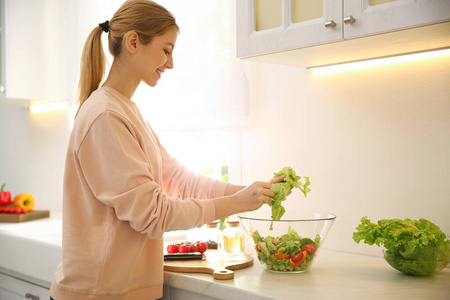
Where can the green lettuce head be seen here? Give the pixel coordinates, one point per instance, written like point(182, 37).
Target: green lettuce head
point(414, 247)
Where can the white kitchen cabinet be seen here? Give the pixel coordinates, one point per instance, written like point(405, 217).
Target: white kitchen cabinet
point(171, 293)
point(36, 43)
point(346, 30)
point(378, 16)
point(12, 288)
point(266, 26)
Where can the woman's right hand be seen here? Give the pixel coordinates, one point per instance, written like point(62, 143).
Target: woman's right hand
point(256, 194)
point(249, 198)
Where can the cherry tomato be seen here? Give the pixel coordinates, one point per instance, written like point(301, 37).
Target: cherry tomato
point(276, 243)
point(193, 248)
point(17, 210)
point(183, 249)
point(309, 248)
point(172, 249)
point(202, 247)
point(297, 257)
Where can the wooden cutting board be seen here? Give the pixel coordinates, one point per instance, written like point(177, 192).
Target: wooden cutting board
point(220, 265)
point(31, 215)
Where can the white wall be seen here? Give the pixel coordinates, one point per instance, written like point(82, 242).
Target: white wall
point(375, 142)
point(32, 152)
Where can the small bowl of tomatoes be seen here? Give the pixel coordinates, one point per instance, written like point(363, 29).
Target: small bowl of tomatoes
point(288, 245)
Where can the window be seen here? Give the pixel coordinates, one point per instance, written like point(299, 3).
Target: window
point(206, 88)
point(208, 153)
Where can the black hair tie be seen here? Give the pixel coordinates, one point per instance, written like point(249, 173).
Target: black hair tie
point(105, 26)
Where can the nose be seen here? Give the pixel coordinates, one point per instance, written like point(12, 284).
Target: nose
point(169, 62)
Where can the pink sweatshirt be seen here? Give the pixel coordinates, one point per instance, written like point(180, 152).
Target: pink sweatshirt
point(122, 191)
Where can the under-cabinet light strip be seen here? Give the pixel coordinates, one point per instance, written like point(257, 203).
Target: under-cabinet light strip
point(49, 106)
point(380, 61)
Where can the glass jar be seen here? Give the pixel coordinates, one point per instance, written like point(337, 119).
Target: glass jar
point(211, 235)
point(233, 237)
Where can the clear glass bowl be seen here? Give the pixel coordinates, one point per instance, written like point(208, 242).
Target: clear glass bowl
point(288, 235)
point(423, 261)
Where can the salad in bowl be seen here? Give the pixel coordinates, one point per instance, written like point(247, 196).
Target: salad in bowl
point(288, 245)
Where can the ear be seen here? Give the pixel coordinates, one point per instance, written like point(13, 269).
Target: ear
point(131, 41)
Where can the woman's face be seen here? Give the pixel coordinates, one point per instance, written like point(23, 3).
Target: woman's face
point(156, 57)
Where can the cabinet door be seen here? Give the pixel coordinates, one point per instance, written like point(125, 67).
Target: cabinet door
point(36, 49)
point(15, 289)
point(378, 16)
point(268, 26)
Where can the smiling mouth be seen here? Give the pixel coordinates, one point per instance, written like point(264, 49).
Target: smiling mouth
point(159, 72)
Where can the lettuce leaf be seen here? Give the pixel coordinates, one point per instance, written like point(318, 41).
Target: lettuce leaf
point(415, 247)
point(281, 190)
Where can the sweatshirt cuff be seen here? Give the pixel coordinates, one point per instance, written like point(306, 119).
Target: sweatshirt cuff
point(218, 190)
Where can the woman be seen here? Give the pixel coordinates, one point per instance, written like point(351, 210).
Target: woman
point(122, 190)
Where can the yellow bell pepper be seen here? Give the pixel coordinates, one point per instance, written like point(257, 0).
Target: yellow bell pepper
point(24, 200)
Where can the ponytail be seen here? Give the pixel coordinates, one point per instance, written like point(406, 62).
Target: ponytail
point(93, 65)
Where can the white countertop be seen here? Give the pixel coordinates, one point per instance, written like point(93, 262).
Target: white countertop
point(334, 275)
point(33, 250)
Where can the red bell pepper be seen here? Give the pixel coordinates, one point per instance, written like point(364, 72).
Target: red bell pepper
point(280, 255)
point(5, 197)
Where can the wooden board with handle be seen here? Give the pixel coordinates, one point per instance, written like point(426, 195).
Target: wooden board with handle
point(31, 215)
point(220, 265)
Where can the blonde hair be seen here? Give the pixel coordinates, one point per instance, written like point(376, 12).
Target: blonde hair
point(147, 18)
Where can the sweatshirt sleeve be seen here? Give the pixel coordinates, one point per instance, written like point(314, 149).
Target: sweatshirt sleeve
point(118, 173)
